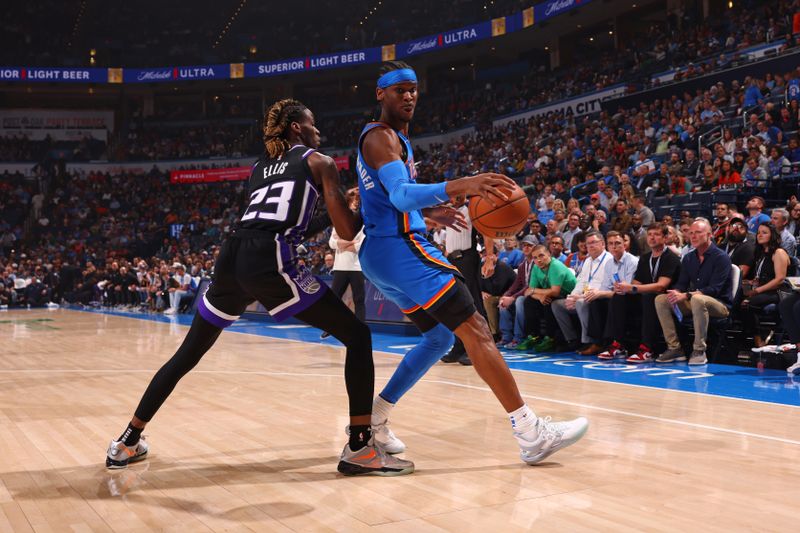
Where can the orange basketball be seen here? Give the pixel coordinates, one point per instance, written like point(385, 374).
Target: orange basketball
point(502, 221)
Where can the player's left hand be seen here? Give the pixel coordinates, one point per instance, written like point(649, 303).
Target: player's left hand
point(448, 217)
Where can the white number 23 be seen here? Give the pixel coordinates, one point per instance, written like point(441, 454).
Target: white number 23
point(266, 196)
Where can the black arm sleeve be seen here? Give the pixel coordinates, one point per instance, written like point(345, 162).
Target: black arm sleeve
point(322, 220)
point(317, 223)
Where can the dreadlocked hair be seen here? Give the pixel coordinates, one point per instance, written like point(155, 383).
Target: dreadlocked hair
point(389, 66)
point(276, 123)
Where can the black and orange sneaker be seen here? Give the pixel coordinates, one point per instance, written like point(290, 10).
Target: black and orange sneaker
point(372, 460)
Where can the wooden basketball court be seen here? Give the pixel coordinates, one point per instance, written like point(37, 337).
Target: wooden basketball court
point(251, 438)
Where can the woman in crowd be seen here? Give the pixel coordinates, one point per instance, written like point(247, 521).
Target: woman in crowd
point(766, 275)
point(728, 177)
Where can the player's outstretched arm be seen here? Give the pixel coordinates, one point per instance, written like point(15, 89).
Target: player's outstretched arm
point(489, 186)
point(382, 150)
point(325, 173)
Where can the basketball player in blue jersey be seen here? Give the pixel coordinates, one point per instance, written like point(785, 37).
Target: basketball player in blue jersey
point(410, 271)
point(258, 262)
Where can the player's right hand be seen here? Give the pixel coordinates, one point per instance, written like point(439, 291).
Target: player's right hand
point(493, 188)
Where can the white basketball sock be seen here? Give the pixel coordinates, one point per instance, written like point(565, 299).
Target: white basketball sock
point(523, 419)
point(380, 410)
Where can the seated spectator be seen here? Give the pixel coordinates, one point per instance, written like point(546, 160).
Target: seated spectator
point(722, 216)
point(576, 259)
point(640, 208)
point(511, 255)
point(555, 246)
point(621, 218)
point(492, 288)
point(703, 290)
point(793, 150)
point(754, 175)
point(728, 177)
point(547, 213)
point(794, 219)
point(573, 228)
point(550, 281)
point(765, 277)
point(656, 271)
point(36, 293)
point(179, 288)
point(511, 304)
point(755, 207)
point(709, 181)
point(622, 267)
point(780, 219)
point(778, 165)
point(606, 196)
point(596, 270)
point(740, 245)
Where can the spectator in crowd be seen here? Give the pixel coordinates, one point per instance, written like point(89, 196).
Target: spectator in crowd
point(740, 245)
point(555, 245)
point(550, 281)
point(754, 174)
point(640, 208)
point(722, 217)
point(594, 273)
point(493, 288)
point(512, 305)
point(656, 272)
point(511, 254)
point(178, 289)
point(569, 233)
point(766, 275)
point(703, 290)
point(576, 259)
point(755, 207)
point(780, 220)
point(622, 266)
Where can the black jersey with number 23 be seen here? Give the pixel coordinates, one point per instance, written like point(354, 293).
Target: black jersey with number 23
point(282, 195)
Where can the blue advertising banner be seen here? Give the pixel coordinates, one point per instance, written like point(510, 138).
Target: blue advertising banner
point(344, 59)
point(418, 46)
point(476, 32)
point(162, 74)
point(552, 8)
point(467, 34)
point(54, 74)
point(274, 68)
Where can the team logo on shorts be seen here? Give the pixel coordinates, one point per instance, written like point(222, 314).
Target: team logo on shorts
point(307, 283)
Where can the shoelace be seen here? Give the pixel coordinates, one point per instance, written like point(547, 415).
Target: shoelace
point(548, 429)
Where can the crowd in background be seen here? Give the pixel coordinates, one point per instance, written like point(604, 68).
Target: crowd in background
point(610, 178)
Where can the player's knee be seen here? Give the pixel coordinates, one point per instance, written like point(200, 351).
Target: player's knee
point(439, 338)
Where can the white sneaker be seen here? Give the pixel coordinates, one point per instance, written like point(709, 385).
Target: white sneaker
point(169, 311)
point(795, 368)
point(548, 437)
point(119, 455)
point(385, 438)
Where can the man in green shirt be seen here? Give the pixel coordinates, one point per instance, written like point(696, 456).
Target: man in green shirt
point(550, 280)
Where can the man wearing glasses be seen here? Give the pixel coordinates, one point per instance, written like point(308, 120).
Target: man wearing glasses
point(740, 245)
point(594, 276)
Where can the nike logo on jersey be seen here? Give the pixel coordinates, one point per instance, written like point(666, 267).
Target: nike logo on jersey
point(274, 169)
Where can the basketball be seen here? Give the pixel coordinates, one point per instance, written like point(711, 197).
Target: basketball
point(502, 221)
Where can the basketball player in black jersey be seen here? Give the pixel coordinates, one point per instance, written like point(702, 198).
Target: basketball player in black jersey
point(258, 262)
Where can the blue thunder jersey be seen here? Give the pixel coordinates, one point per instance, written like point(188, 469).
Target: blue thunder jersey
point(381, 218)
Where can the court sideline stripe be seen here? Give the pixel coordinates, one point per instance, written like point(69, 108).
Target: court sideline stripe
point(648, 387)
point(440, 382)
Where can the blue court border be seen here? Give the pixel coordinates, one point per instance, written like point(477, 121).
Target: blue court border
point(729, 381)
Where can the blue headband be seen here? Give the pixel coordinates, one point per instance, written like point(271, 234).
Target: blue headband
point(394, 77)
